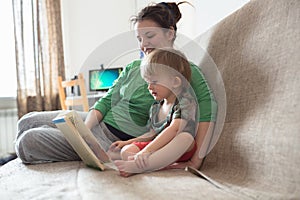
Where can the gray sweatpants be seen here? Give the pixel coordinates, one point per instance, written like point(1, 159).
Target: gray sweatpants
point(38, 140)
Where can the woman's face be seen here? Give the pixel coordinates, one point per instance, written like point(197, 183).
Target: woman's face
point(150, 36)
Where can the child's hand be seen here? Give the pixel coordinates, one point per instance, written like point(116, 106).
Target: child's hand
point(117, 146)
point(142, 159)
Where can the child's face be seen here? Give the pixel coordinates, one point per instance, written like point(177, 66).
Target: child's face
point(160, 86)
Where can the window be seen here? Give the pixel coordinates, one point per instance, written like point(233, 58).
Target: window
point(8, 80)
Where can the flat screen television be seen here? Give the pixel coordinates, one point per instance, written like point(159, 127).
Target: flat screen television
point(103, 79)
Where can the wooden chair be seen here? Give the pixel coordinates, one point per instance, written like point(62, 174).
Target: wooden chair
point(71, 101)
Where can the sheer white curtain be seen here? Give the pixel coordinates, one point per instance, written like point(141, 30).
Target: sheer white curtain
point(39, 54)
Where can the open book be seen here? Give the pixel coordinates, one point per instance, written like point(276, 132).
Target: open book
point(81, 139)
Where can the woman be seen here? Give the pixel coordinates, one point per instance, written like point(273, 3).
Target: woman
point(123, 113)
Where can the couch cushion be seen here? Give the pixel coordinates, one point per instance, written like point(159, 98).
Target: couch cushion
point(73, 180)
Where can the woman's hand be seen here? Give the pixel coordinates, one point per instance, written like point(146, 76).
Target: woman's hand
point(182, 165)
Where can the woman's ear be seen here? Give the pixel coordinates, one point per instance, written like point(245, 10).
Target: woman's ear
point(171, 34)
point(177, 82)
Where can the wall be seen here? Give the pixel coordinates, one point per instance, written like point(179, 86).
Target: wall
point(202, 15)
point(89, 23)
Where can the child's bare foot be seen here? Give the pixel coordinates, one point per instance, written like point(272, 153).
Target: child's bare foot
point(127, 168)
point(126, 174)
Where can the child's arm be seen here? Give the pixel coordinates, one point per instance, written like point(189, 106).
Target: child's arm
point(143, 138)
point(165, 136)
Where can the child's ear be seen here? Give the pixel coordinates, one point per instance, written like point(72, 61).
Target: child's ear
point(177, 82)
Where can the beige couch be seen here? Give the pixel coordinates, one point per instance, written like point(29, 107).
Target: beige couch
point(257, 51)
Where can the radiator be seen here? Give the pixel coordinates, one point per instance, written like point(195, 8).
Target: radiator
point(8, 127)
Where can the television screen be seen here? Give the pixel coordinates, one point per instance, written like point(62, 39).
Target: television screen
point(103, 79)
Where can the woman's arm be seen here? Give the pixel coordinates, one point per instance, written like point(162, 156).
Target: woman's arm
point(93, 118)
point(204, 129)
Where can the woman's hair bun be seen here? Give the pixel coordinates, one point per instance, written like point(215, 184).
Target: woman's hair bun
point(165, 14)
point(173, 7)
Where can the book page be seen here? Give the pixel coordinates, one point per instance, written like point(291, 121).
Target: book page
point(79, 145)
point(88, 136)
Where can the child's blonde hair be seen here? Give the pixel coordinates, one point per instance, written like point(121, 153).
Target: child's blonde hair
point(166, 61)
